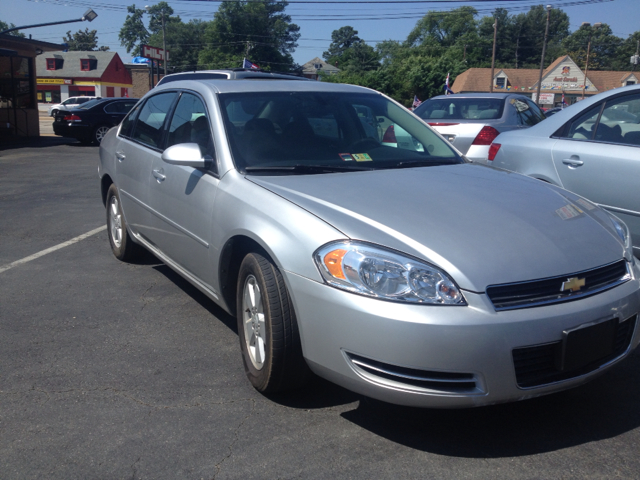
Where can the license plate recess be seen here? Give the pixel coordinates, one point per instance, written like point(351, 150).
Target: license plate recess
point(586, 344)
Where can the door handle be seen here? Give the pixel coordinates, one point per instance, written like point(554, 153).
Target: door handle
point(159, 174)
point(120, 156)
point(573, 162)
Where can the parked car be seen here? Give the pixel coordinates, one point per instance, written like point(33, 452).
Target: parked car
point(591, 148)
point(68, 104)
point(414, 277)
point(552, 111)
point(92, 120)
point(229, 74)
point(471, 121)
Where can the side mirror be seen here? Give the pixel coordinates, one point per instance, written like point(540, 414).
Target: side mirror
point(187, 155)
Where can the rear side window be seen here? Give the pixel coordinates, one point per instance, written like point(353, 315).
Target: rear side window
point(528, 113)
point(149, 127)
point(128, 122)
point(582, 127)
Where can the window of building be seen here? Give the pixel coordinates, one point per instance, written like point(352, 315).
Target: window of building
point(85, 64)
point(631, 82)
point(51, 63)
point(317, 66)
point(501, 82)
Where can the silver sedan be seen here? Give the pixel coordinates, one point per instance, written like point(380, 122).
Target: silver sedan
point(471, 121)
point(408, 275)
point(592, 149)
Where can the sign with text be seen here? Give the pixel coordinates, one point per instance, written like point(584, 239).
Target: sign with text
point(55, 81)
point(154, 53)
point(545, 98)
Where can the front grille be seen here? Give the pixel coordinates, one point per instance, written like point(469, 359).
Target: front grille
point(549, 290)
point(425, 380)
point(537, 365)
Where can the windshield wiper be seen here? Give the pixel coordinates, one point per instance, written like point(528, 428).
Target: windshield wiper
point(301, 168)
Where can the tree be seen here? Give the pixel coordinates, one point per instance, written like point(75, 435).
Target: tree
point(133, 32)
point(341, 40)
point(6, 26)
point(443, 28)
point(604, 46)
point(625, 51)
point(259, 30)
point(184, 42)
point(83, 41)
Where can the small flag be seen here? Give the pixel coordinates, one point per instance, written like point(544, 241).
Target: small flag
point(447, 90)
point(247, 64)
point(416, 102)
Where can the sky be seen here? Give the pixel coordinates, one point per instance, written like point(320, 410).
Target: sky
point(374, 21)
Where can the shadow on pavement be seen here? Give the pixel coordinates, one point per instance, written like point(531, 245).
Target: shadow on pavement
point(605, 408)
point(12, 143)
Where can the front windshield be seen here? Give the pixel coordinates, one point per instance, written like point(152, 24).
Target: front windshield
point(340, 131)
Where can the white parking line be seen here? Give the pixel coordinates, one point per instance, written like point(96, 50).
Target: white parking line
point(52, 249)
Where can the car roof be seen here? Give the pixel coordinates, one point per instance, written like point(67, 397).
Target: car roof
point(230, 74)
point(249, 86)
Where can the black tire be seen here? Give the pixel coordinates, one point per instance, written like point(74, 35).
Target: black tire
point(121, 243)
point(54, 113)
point(282, 366)
point(98, 133)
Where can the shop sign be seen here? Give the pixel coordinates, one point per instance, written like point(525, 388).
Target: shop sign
point(55, 81)
point(154, 53)
point(545, 98)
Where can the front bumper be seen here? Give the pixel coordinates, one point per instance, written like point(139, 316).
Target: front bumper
point(442, 356)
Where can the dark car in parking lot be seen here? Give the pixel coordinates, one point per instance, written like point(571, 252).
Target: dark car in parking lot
point(90, 122)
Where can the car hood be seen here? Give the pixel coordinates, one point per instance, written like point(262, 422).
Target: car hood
point(481, 225)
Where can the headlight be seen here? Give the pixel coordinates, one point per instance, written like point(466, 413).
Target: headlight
point(380, 273)
point(625, 236)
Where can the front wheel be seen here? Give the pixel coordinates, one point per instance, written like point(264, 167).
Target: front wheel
point(122, 245)
point(99, 133)
point(54, 113)
point(267, 328)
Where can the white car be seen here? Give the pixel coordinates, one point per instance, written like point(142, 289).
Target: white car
point(68, 104)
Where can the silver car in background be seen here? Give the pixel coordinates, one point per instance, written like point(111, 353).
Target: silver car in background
point(471, 121)
point(408, 275)
point(592, 149)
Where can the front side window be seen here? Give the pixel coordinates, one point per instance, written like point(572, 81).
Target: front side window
point(150, 122)
point(190, 124)
point(318, 132)
point(615, 121)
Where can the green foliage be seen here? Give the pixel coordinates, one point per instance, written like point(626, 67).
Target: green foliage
point(133, 32)
point(86, 41)
point(6, 26)
point(604, 46)
point(257, 30)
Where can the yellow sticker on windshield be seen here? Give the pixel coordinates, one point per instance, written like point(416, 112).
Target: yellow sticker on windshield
point(361, 157)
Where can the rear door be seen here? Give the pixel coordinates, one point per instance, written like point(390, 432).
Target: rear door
point(598, 157)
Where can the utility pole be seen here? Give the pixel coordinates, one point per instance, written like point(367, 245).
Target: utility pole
point(493, 55)
point(164, 47)
point(544, 50)
point(586, 66)
point(464, 54)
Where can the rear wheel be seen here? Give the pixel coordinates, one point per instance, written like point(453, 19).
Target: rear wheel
point(122, 245)
point(99, 133)
point(267, 328)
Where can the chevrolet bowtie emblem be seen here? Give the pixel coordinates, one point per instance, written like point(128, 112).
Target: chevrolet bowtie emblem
point(574, 284)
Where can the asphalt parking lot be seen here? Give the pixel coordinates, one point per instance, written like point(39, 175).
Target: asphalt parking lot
point(112, 370)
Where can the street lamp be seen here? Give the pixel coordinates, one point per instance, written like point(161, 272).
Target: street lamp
point(586, 66)
point(88, 16)
point(164, 44)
